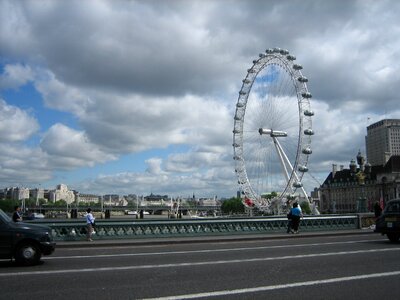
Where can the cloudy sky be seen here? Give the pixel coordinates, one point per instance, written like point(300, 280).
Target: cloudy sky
point(139, 96)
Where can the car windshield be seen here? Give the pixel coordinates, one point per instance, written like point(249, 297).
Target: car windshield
point(393, 207)
point(4, 216)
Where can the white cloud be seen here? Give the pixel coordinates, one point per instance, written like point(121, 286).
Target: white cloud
point(15, 76)
point(131, 123)
point(23, 166)
point(154, 166)
point(16, 125)
point(69, 148)
point(193, 161)
point(58, 95)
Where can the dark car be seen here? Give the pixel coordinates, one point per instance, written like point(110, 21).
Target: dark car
point(389, 221)
point(24, 241)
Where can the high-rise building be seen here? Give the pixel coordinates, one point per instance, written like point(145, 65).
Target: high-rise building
point(382, 141)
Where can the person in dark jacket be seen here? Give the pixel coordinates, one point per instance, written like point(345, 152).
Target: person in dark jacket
point(289, 224)
point(17, 214)
point(377, 209)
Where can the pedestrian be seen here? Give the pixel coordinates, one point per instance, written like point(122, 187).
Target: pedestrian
point(290, 224)
point(89, 224)
point(296, 215)
point(377, 209)
point(17, 214)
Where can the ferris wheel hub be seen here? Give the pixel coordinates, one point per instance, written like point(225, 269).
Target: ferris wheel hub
point(272, 133)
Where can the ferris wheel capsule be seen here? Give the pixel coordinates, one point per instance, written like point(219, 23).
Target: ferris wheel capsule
point(302, 79)
point(306, 95)
point(308, 131)
point(291, 57)
point(308, 113)
point(297, 184)
point(246, 81)
point(297, 67)
point(303, 169)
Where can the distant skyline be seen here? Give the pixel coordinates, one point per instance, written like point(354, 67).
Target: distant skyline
point(120, 97)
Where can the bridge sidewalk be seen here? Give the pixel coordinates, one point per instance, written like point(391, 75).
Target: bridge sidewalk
point(204, 239)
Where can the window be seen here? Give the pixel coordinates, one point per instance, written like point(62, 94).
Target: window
point(393, 207)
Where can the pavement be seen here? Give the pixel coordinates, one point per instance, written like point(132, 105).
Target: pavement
point(142, 241)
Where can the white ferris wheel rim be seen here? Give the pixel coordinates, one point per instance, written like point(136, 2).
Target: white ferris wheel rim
point(281, 61)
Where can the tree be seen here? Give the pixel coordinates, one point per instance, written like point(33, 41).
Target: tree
point(60, 203)
point(8, 205)
point(305, 207)
point(30, 202)
point(270, 195)
point(232, 206)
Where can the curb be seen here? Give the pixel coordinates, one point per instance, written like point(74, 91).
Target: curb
point(203, 239)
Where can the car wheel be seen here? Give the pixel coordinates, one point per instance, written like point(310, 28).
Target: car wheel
point(393, 237)
point(28, 254)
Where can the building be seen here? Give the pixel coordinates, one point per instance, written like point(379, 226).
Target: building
point(114, 200)
point(62, 193)
point(15, 193)
point(208, 202)
point(156, 200)
point(357, 188)
point(88, 198)
point(36, 194)
point(383, 141)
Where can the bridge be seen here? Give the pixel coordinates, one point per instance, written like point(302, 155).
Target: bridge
point(75, 230)
point(151, 209)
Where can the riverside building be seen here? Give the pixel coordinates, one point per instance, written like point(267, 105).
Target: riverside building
point(366, 181)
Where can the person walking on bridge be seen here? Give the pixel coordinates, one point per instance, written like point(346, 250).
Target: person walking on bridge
point(296, 214)
point(89, 224)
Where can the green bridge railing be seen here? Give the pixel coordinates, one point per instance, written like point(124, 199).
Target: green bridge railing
point(74, 230)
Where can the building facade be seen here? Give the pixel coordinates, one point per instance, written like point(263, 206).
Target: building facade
point(88, 198)
point(357, 188)
point(382, 141)
point(62, 193)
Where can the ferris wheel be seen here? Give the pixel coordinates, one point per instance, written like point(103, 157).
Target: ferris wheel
point(272, 130)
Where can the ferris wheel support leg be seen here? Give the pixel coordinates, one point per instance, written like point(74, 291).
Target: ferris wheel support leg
point(281, 157)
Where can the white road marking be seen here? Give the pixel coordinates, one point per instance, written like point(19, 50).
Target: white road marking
point(274, 287)
point(202, 251)
point(191, 264)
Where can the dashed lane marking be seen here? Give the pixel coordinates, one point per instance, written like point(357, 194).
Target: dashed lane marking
point(94, 256)
point(275, 287)
point(192, 264)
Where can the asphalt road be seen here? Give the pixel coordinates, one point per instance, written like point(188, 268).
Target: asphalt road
point(326, 267)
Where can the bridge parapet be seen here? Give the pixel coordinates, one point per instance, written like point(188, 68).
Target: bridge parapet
point(74, 230)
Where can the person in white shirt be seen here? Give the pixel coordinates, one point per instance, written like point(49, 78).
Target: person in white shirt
point(89, 224)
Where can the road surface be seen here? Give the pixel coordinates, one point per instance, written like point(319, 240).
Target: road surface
point(330, 267)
